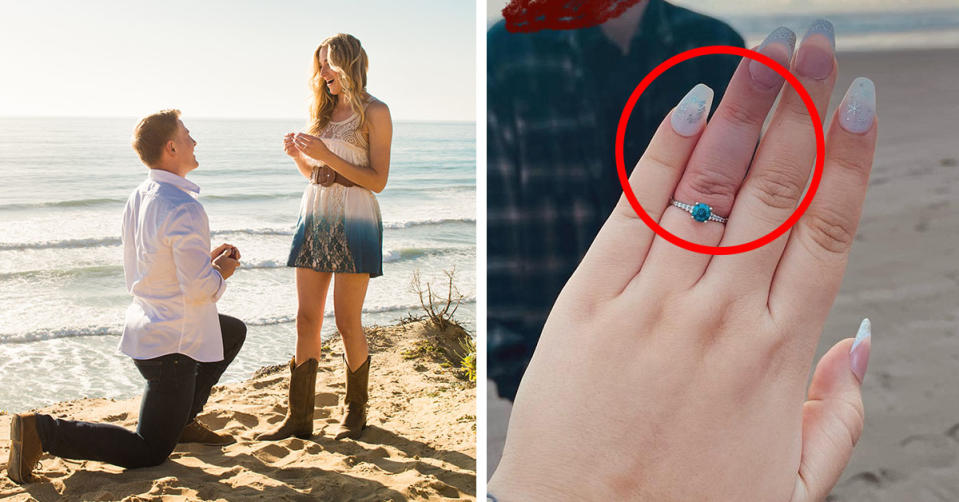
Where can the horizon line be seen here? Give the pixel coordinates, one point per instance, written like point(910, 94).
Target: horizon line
point(210, 117)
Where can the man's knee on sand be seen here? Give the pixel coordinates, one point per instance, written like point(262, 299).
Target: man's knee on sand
point(152, 454)
point(234, 333)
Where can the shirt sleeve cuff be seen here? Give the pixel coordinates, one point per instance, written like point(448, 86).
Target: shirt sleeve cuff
point(220, 290)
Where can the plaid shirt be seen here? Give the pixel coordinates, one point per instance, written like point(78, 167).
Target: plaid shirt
point(554, 101)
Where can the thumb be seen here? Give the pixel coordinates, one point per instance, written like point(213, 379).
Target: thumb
point(833, 416)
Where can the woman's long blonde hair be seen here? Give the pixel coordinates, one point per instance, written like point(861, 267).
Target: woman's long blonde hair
point(347, 58)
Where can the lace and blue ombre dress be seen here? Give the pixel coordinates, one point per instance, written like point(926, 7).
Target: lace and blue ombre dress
point(339, 229)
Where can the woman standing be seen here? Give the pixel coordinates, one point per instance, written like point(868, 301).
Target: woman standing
point(339, 234)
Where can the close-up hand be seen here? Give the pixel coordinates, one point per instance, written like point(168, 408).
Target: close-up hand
point(666, 374)
point(225, 264)
point(234, 251)
point(311, 146)
point(289, 147)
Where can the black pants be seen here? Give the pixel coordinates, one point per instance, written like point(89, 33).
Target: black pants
point(176, 391)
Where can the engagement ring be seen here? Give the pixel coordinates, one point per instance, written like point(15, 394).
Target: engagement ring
point(699, 211)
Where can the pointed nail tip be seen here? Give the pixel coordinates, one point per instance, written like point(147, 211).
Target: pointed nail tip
point(865, 331)
point(823, 27)
point(689, 116)
point(705, 92)
point(782, 35)
point(857, 110)
point(824, 21)
point(864, 82)
point(702, 86)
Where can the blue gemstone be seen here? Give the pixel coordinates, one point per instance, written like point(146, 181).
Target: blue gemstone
point(701, 212)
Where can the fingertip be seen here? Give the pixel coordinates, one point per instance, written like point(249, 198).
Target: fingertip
point(778, 45)
point(857, 111)
point(859, 352)
point(689, 116)
point(824, 28)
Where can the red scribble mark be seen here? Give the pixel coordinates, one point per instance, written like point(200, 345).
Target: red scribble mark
point(535, 15)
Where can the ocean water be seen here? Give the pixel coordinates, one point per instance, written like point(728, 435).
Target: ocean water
point(864, 30)
point(63, 185)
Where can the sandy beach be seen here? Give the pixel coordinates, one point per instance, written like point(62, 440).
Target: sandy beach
point(420, 444)
point(902, 275)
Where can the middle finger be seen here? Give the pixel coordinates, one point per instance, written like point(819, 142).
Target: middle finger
point(782, 166)
point(718, 164)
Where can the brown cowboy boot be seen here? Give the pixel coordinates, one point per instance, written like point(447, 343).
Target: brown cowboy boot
point(25, 448)
point(302, 400)
point(357, 385)
point(195, 432)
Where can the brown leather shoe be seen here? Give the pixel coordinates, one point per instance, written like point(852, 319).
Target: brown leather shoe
point(302, 401)
point(25, 448)
point(195, 432)
point(357, 395)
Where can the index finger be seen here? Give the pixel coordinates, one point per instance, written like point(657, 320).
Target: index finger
point(619, 249)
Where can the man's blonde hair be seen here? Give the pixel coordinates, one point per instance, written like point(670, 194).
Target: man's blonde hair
point(152, 133)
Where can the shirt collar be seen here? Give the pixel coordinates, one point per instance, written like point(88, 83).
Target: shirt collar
point(161, 176)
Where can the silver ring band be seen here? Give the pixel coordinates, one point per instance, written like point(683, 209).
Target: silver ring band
point(699, 211)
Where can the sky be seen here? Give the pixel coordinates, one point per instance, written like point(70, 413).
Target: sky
point(239, 59)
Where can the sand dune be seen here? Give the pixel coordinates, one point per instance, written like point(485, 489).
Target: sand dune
point(420, 444)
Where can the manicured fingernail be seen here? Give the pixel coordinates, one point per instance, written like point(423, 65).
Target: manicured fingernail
point(689, 116)
point(859, 353)
point(857, 111)
point(815, 59)
point(778, 45)
point(822, 27)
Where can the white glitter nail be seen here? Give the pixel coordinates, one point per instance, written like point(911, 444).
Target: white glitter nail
point(689, 116)
point(865, 331)
point(858, 108)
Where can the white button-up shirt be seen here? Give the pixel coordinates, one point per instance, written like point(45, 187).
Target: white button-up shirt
point(166, 262)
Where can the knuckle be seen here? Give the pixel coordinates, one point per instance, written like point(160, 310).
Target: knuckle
point(854, 419)
point(739, 115)
point(799, 127)
point(830, 231)
point(796, 110)
point(712, 184)
point(779, 185)
point(653, 161)
point(852, 164)
point(849, 412)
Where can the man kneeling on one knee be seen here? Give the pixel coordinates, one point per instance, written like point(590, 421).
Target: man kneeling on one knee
point(177, 340)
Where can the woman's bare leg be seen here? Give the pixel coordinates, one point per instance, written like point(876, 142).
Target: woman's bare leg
point(349, 292)
point(311, 289)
